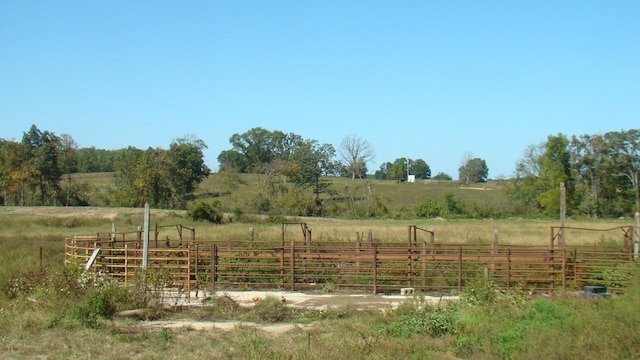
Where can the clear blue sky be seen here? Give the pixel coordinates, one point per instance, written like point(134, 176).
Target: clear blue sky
point(428, 80)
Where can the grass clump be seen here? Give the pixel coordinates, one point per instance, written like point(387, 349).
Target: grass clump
point(269, 309)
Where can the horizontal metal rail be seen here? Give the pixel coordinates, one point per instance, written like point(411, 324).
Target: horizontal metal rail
point(370, 266)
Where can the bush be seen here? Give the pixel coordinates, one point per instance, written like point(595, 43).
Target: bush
point(417, 316)
point(429, 209)
point(203, 211)
point(268, 309)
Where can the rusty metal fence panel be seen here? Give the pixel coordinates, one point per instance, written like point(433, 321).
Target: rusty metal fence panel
point(370, 266)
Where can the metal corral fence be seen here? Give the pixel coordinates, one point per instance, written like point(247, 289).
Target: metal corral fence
point(365, 265)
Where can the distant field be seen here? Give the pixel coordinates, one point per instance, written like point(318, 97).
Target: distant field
point(59, 222)
point(396, 196)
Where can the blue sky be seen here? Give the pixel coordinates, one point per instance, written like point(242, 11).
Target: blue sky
point(428, 80)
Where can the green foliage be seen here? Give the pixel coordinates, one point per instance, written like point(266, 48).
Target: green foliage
point(220, 307)
point(452, 205)
point(205, 211)
point(481, 291)
point(163, 178)
point(429, 209)
point(442, 176)
point(417, 316)
point(473, 171)
point(269, 309)
point(103, 302)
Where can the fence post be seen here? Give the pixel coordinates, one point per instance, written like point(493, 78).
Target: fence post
point(460, 268)
point(358, 257)
point(576, 273)
point(409, 260)
point(126, 262)
point(432, 239)
point(424, 263)
point(494, 250)
point(551, 269)
point(196, 264)
point(564, 269)
point(214, 264)
point(145, 240)
point(293, 266)
point(282, 263)
point(508, 268)
point(375, 269)
point(189, 273)
point(636, 237)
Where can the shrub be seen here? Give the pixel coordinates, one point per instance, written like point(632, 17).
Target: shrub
point(203, 211)
point(417, 316)
point(481, 291)
point(268, 309)
point(429, 209)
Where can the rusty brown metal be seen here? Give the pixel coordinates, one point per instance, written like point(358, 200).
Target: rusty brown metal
point(307, 264)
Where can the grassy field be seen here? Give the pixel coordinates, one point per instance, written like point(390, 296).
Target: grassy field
point(59, 222)
point(399, 198)
point(51, 312)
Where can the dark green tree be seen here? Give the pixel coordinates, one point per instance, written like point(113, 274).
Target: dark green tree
point(555, 168)
point(41, 154)
point(473, 171)
point(186, 169)
point(419, 168)
point(383, 172)
point(95, 160)
point(398, 169)
point(524, 188)
point(258, 148)
point(442, 176)
point(15, 174)
point(314, 161)
point(624, 166)
point(69, 161)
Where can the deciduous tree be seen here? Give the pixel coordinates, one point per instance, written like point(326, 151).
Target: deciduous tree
point(356, 152)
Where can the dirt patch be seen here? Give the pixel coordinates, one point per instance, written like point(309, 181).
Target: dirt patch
point(273, 329)
point(298, 300)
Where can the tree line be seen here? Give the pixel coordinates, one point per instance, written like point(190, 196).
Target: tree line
point(599, 173)
point(34, 170)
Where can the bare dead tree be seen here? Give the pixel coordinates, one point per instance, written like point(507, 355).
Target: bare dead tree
point(356, 152)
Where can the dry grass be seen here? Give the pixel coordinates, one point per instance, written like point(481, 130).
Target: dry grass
point(63, 222)
point(48, 330)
